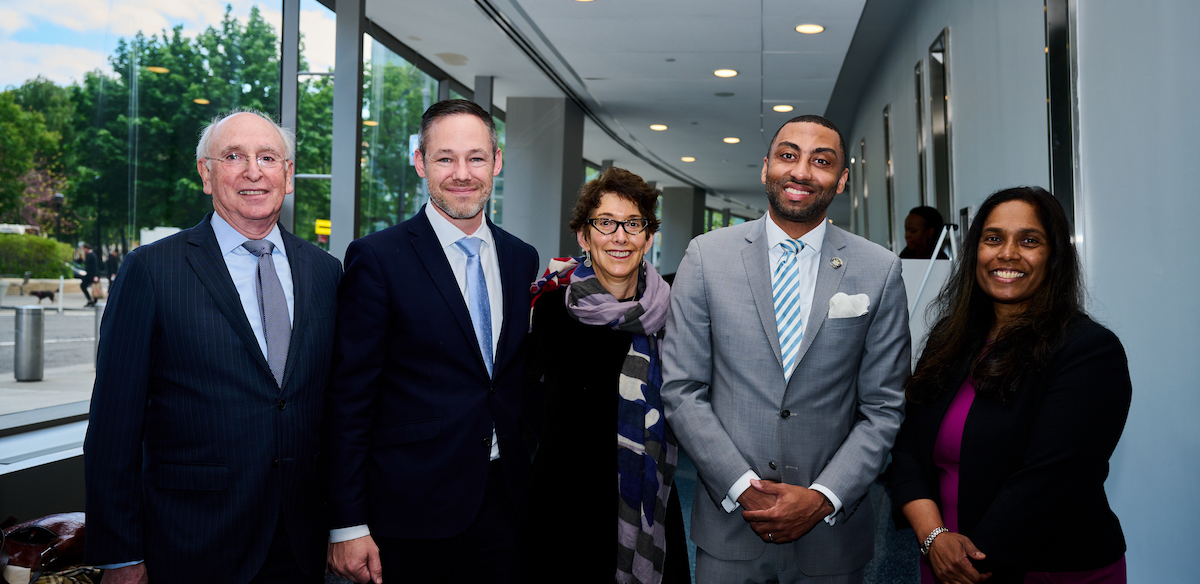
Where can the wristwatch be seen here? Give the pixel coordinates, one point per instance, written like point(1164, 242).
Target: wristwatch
point(929, 540)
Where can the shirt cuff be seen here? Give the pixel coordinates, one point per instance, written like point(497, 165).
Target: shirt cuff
point(739, 486)
point(348, 533)
point(119, 565)
point(833, 499)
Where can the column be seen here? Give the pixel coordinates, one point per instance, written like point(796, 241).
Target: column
point(543, 170)
point(682, 219)
point(347, 127)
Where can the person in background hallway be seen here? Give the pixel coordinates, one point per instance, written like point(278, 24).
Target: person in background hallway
point(786, 352)
point(92, 268)
point(428, 465)
point(921, 230)
point(202, 446)
point(595, 336)
point(112, 264)
point(1014, 409)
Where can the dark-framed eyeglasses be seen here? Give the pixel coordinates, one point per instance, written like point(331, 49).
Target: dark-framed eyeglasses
point(235, 160)
point(609, 226)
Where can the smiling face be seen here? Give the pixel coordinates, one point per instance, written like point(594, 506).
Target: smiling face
point(1013, 253)
point(802, 173)
point(458, 167)
point(247, 197)
point(616, 257)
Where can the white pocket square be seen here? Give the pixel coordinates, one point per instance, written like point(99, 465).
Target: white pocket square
point(845, 306)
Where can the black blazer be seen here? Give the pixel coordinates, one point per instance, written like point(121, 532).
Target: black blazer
point(1031, 482)
point(193, 452)
point(411, 407)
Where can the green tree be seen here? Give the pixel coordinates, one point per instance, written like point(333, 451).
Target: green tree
point(24, 143)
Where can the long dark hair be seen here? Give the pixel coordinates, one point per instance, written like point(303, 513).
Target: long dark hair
point(966, 315)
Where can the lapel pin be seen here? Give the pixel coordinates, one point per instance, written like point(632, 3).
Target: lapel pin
point(836, 263)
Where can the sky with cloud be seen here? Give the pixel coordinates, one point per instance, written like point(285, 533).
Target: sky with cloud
point(63, 39)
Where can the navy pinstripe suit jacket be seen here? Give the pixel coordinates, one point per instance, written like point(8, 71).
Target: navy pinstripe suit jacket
point(193, 452)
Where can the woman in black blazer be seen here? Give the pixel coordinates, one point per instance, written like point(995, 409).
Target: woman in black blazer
point(600, 505)
point(1015, 407)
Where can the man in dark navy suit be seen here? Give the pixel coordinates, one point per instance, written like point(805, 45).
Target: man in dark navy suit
point(428, 466)
point(201, 453)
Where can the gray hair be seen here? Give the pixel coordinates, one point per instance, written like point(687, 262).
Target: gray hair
point(286, 135)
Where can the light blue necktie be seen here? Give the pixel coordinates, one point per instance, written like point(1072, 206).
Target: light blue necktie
point(478, 302)
point(785, 287)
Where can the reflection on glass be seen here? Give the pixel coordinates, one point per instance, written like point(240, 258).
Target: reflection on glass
point(862, 166)
point(890, 183)
point(117, 130)
point(395, 94)
point(314, 119)
point(939, 119)
point(920, 101)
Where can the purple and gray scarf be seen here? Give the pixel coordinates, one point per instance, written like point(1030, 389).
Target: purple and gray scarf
point(646, 449)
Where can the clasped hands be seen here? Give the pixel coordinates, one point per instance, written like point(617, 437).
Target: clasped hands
point(779, 512)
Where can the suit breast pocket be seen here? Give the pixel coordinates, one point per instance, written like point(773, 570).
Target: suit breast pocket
point(191, 477)
point(847, 323)
point(407, 432)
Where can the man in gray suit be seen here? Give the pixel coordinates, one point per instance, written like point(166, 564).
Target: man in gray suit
point(786, 352)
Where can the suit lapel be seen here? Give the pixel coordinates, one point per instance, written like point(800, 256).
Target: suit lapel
point(429, 250)
point(508, 279)
point(757, 260)
point(301, 297)
point(204, 256)
point(828, 280)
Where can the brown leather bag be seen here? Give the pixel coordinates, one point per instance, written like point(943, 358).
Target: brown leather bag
point(51, 543)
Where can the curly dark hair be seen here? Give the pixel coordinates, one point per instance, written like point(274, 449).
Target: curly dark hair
point(621, 183)
point(966, 314)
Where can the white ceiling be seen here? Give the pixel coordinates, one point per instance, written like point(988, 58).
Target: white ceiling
point(639, 62)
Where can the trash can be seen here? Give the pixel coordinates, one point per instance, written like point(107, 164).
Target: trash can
point(29, 353)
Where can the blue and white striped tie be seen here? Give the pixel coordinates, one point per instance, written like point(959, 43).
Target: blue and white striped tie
point(785, 287)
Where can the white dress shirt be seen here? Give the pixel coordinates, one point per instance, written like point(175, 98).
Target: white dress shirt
point(810, 262)
point(448, 234)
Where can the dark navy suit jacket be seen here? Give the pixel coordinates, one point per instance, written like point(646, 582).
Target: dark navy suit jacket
point(411, 406)
point(193, 452)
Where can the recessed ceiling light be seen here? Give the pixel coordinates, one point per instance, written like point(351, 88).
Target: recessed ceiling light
point(688, 159)
point(200, 100)
point(809, 28)
point(658, 127)
point(158, 69)
point(370, 123)
point(725, 73)
point(732, 140)
point(783, 109)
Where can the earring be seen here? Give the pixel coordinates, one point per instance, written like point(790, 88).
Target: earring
point(587, 259)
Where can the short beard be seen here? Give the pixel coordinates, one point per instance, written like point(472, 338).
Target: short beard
point(821, 201)
point(469, 213)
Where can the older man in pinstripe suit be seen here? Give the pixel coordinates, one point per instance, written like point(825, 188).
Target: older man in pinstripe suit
point(201, 454)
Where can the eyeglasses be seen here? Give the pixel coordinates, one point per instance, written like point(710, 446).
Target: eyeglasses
point(609, 226)
point(235, 160)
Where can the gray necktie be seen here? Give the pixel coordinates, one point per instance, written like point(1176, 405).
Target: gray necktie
point(272, 307)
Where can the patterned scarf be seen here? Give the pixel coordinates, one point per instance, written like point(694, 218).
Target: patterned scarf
point(646, 449)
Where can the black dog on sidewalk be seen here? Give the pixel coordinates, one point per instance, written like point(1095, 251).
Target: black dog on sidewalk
point(42, 295)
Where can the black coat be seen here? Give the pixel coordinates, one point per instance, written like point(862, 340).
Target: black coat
point(193, 452)
point(571, 519)
point(1031, 476)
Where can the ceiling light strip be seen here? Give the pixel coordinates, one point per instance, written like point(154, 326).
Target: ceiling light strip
point(540, 62)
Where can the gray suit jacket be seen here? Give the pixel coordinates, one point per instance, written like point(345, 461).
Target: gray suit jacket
point(725, 392)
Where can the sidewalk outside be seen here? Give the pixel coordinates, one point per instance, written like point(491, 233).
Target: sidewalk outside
point(68, 354)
